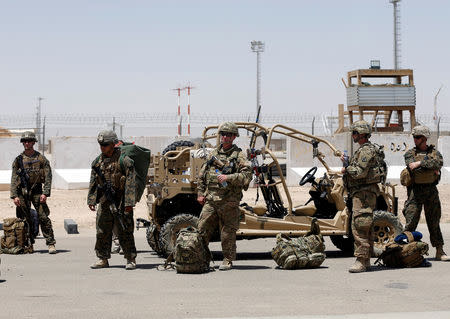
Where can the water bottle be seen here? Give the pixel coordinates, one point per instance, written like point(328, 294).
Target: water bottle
point(224, 183)
point(345, 162)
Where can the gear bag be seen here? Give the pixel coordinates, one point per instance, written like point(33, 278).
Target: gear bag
point(302, 252)
point(15, 239)
point(401, 253)
point(191, 254)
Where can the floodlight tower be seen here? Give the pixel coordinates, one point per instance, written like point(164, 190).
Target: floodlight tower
point(38, 120)
point(258, 47)
point(178, 89)
point(189, 88)
point(397, 39)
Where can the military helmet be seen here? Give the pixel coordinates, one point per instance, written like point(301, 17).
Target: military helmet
point(28, 136)
point(421, 130)
point(229, 127)
point(107, 137)
point(362, 127)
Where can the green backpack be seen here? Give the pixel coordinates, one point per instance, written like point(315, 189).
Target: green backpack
point(15, 239)
point(141, 157)
point(191, 254)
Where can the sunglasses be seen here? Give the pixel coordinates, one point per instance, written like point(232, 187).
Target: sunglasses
point(27, 141)
point(355, 132)
point(104, 144)
point(226, 134)
point(417, 137)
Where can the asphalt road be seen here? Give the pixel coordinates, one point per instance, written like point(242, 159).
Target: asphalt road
point(63, 286)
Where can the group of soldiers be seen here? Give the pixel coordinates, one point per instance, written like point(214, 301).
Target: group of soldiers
point(112, 193)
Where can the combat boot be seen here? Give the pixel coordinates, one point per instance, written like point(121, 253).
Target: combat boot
point(360, 265)
point(226, 265)
point(131, 264)
point(441, 255)
point(101, 263)
point(51, 249)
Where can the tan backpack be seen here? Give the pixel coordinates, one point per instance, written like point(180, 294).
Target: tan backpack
point(403, 255)
point(15, 239)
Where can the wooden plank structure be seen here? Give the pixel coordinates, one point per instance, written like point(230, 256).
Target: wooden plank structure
point(374, 110)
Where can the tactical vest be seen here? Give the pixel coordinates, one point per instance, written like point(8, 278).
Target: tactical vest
point(377, 172)
point(15, 239)
point(111, 169)
point(191, 254)
point(212, 171)
point(34, 166)
point(424, 175)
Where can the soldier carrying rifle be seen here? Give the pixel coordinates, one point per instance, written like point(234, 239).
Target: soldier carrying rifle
point(112, 186)
point(31, 181)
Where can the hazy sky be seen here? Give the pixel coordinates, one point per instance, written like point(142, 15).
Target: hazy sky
point(114, 56)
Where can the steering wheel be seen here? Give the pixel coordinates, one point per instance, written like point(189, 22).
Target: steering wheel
point(308, 177)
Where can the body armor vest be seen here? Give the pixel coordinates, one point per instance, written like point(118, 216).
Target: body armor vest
point(424, 175)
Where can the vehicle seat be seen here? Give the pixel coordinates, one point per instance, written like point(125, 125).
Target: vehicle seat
point(308, 210)
point(260, 210)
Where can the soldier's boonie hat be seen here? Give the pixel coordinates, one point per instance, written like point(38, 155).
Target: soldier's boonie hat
point(28, 136)
point(107, 137)
point(229, 127)
point(421, 130)
point(362, 127)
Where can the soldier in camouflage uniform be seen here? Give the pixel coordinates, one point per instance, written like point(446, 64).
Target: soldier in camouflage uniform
point(118, 172)
point(39, 173)
point(424, 163)
point(221, 181)
point(361, 177)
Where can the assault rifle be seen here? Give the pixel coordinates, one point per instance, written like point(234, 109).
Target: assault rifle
point(25, 190)
point(110, 194)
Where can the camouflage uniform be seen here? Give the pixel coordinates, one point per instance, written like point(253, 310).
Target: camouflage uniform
point(363, 189)
point(40, 181)
point(424, 194)
point(124, 186)
point(222, 202)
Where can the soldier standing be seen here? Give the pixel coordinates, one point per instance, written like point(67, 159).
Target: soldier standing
point(424, 163)
point(221, 180)
point(361, 177)
point(31, 182)
point(112, 186)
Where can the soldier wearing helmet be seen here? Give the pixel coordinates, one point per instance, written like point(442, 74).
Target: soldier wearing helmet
point(112, 187)
point(222, 178)
point(361, 176)
point(36, 174)
point(424, 163)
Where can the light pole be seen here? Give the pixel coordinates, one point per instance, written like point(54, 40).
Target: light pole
point(258, 47)
point(38, 121)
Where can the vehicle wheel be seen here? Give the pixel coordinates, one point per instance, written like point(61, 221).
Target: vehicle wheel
point(152, 235)
point(386, 227)
point(174, 145)
point(344, 243)
point(170, 230)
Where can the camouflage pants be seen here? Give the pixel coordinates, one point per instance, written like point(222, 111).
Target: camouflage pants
point(427, 196)
point(43, 211)
point(362, 219)
point(225, 215)
point(105, 223)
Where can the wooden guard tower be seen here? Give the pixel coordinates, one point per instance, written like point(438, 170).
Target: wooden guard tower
point(379, 100)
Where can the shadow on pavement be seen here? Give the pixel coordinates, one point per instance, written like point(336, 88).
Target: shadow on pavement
point(249, 267)
point(217, 255)
point(59, 251)
point(338, 254)
point(2, 280)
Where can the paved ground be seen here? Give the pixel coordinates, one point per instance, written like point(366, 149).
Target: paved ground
point(63, 286)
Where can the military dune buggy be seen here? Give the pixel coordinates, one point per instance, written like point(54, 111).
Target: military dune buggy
point(172, 194)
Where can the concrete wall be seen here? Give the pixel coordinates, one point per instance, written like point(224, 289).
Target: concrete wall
point(10, 147)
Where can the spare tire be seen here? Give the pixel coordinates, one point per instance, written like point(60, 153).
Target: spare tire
point(386, 226)
point(170, 229)
point(177, 144)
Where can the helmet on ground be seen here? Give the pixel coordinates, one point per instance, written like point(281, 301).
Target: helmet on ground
point(362, 127)
point(107, 137)
point(28, 136)
point(421, 130)
point(229, 127)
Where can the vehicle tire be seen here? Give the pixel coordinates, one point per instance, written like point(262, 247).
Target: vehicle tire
point(386, 227)
point(174, 145)
point(170, 230)
point(152, 235)
point(344, 243)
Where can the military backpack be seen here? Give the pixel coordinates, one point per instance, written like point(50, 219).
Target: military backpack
point(15, 239)
point(406, 251)
point(191, 254)
point(303, 252)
